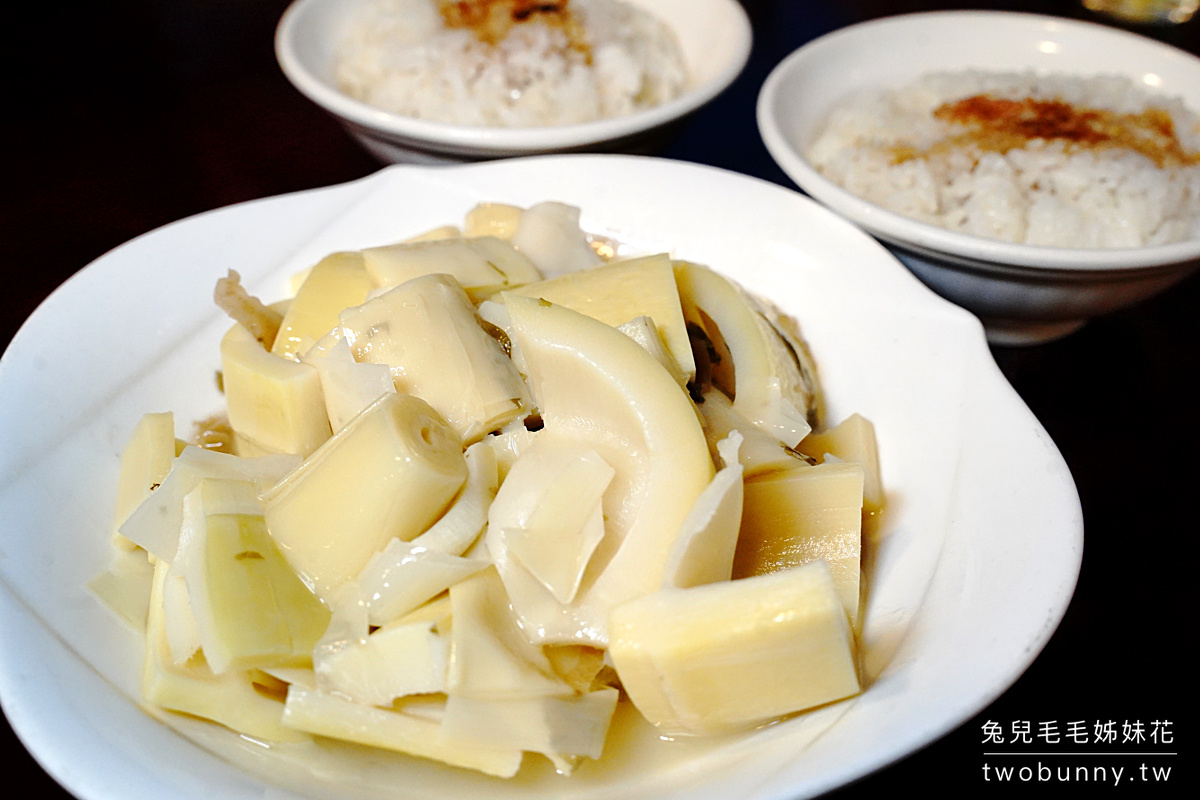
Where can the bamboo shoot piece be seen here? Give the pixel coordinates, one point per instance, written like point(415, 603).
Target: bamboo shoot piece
point(389, 474)
point(229, 699)
point(727, 656)
point(620, 291)
point(853, 439)
point(336, 282)
point(327, 714)
point(274, 403)
point(798, 516)
point(493, 219)
point(427, 332)
point(250, 608)
point(391, 663)
point(482, 265)
point(549, 234)
point(760, 451)
point(757, 368)
point(145, 462)
point(598, 389)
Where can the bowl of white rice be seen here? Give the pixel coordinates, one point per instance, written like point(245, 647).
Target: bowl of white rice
point(1037, 171)
point(442, 81)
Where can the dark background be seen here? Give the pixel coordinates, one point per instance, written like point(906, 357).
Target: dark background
point(119, 117)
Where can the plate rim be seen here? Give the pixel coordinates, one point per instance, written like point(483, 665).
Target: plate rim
point(362, 187)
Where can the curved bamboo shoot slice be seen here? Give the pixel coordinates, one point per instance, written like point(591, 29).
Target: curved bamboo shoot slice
point(762, 372)
point(599, 389)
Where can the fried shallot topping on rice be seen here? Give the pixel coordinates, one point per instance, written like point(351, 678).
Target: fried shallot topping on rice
point(491, 20)
point(998, 124)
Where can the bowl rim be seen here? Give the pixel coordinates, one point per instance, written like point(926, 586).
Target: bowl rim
point(897, 229)
point(496, 139)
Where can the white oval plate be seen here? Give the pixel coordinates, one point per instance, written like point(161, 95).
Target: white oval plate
point(973, 565)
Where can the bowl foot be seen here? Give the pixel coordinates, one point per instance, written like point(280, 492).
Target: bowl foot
point(1024, 333)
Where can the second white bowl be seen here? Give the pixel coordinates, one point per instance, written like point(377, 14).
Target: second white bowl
point(1023, 293)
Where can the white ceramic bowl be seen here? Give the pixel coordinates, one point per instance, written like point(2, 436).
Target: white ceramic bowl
point(714, 35)
point(1023, 293)
point(974, 561)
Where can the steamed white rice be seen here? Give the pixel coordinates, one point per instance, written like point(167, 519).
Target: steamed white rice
point(399, 55)
point(1045, 193)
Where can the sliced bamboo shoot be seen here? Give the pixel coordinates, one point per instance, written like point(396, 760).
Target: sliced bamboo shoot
point(490, 657)
point(548, 513)
point(405, 575)
point(703, 551)
point(761, 451)
point(575, 725)
point(273, 402)
point(337, 281)
point(145, 462)
point(731, 655)
point(155, 524)
point(853, 439)
point(620, 291)
point(347, 386)
point(229, 699)
point(329, 715)
point(798, 516)
point(427, 332)
point(761, 372)
point(482, 265)
point(493, 219)
point(250, 608)
point(598, 389)
point(389, 474)
point(549, 234)
point(393, 662)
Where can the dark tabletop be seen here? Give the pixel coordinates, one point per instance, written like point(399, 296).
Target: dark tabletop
point(122, 117)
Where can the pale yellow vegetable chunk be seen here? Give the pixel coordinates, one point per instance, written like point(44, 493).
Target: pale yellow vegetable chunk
point(124, 586)
point(643, 331)
point(490, 656)
point(754, 364)
point(393, 662)
point(405, 575)
point(549, 233)
point(389, 474)
point(760, 451)
point(493, 219)
point(460, 527)
point(558, 727)
point(145, 462)
point(599, 389)
point(798, 516)
point(550, 509)
point(348, 386)
point(250, 608)
point(155, 524)
point(703, 551)
point(483, 265)
point(329, 715)
point(229, 699)
point(620, 291)
point(853, 439)
point(337, 281)
point(427, 332)
point(731, 655)
point(273, 402)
